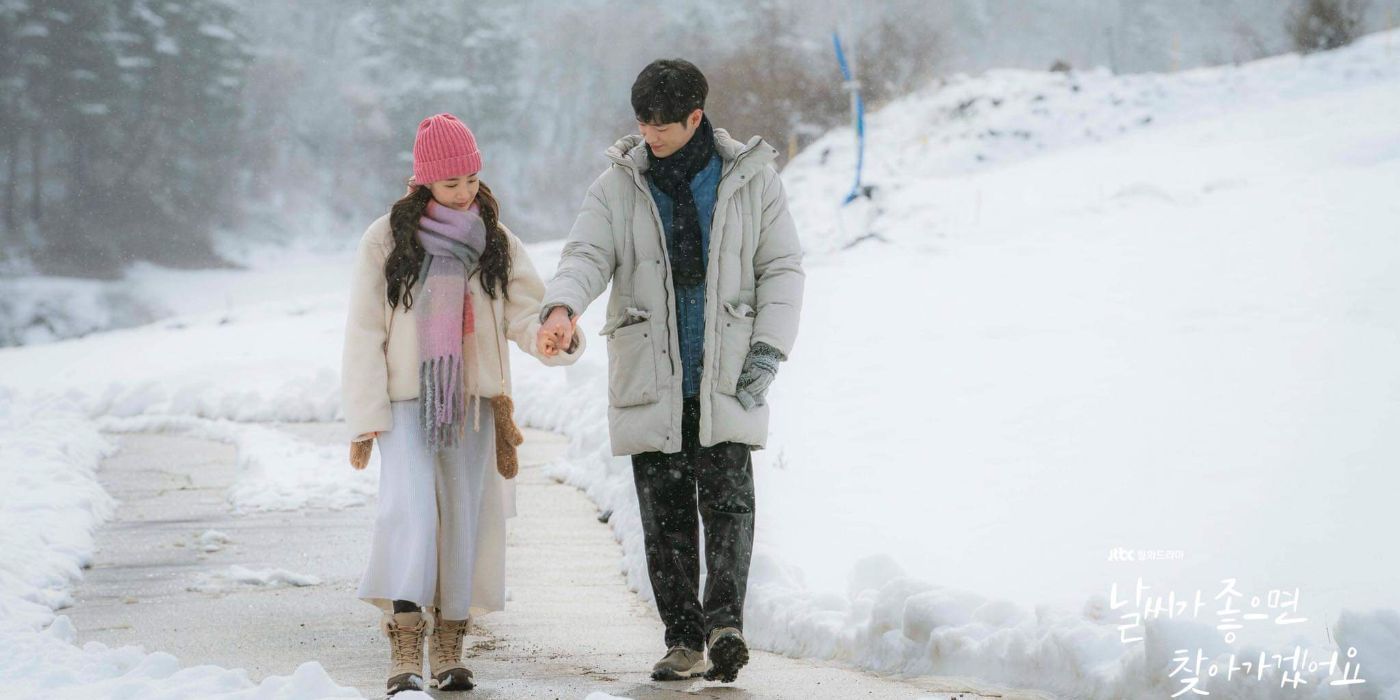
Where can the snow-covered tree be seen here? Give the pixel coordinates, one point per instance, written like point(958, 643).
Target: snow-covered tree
point(118, 117)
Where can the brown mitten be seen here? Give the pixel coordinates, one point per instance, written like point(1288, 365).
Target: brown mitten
point(507, 436)
point(359, 453)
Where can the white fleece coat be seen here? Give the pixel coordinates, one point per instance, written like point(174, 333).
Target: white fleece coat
point(380, 359)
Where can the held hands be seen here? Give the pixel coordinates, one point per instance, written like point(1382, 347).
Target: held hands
point(557, 332)
point(760, 367)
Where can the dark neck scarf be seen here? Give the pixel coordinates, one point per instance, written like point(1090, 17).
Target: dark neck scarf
point(672, 175)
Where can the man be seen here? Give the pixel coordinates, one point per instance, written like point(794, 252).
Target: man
point(692, 229)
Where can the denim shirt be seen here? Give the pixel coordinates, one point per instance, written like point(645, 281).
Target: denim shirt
point(690, 300)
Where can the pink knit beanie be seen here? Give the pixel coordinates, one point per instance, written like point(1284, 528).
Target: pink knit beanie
point(444, 148)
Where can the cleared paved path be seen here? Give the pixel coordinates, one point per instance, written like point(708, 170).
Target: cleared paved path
point(572, 626)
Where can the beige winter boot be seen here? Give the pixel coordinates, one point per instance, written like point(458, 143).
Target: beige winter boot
point(445, 655)
point(406, 632)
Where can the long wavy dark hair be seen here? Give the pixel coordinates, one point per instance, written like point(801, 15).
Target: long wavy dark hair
point(406, 259)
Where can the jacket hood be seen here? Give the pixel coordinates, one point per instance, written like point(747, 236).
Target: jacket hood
point(631, 152)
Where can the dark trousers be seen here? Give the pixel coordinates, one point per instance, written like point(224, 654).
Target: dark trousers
point(715, 483)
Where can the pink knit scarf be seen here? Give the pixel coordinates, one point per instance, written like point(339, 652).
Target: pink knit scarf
point(454, 241)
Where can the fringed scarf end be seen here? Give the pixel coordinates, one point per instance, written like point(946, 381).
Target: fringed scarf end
point(441, 406)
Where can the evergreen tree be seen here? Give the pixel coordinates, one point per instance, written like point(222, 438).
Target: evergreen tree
point(118, 117)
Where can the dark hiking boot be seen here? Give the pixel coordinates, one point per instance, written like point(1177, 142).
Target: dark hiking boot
point(728, 654)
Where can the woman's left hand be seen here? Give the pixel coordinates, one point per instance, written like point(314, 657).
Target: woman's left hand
point(549, 342)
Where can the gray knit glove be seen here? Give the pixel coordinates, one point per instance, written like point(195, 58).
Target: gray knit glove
point(760, 367)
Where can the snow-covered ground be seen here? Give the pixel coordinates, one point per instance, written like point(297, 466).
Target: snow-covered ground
point(1101, 314)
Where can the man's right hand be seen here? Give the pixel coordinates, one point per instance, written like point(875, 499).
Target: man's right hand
point(557, 332)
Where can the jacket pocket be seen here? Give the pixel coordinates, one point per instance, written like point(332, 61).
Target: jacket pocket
point(735, 334)
point(630, 316)
point(631, 366)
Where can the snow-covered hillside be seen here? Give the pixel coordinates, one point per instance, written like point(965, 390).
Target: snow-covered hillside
point(1154, 313)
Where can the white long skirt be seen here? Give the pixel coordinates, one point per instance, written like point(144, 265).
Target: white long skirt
point(439, 536)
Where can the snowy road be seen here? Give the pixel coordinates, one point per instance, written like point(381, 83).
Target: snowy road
point(573, 627)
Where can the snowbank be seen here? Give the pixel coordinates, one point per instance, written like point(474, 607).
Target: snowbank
point(50, 502)
point(277, 470)
point(43, 309)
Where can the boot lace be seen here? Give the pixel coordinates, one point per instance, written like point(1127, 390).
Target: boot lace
point(447, 640)
point(406, 643)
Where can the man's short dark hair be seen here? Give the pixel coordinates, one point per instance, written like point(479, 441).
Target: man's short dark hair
point(668, 90)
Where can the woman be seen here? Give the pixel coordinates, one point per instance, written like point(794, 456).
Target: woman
point(439, 285)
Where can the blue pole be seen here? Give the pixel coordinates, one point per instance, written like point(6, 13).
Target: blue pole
point(857, 113)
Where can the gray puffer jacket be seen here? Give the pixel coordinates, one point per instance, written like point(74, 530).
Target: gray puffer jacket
point(754, 283)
